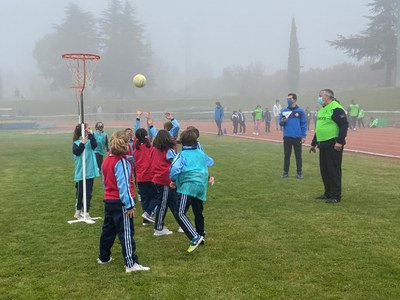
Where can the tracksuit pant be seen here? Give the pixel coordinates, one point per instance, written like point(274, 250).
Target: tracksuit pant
point(288, 144)
point(99, 160)
point(165, 197)
point(219, 125)
point(330, 163)
point(79, 193)
point(184, 201)
point(147, 191)
point(117, 223)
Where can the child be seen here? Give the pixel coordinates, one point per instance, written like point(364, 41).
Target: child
point(81, 144)
point(144, 174)
point(102, 143)
point(119, 205)
point(189, 174)
point(235, 122)
point(162, 156)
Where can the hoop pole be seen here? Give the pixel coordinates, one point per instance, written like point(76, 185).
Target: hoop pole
point(84, 173)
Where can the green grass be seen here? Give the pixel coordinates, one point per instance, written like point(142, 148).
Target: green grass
point(267, 238)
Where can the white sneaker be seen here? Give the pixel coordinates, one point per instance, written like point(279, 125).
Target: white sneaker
point(104, 262)
point(78, 214)
point(180, 230)
point(147, 224)
point(147, 217)
point(86, 216)
point(164, 231)
point(136, 267)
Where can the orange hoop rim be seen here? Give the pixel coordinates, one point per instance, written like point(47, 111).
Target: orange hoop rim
point(81, 56)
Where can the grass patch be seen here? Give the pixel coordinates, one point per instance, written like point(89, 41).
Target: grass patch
point(266, 237)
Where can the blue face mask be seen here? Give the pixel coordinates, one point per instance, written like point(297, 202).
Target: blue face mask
point(289, 102)
point(320, 101)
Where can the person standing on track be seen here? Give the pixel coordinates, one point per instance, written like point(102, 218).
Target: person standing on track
point(294, 124)
point(219, 117)
point(330, 137)
point(276, 110)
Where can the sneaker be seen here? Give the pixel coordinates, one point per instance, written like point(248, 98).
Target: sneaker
point(180, 230)
point(147, 217)
point(299, 176)
point(332, 200)
point(164, 231)
point(78, 214)
point(285, 175)
point(194, 243)
point(135, 268)
point(86, 216)
point(99, 261)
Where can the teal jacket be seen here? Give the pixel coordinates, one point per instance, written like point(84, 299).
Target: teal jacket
point(92, 169)
point(190, 171)
point(102, 142)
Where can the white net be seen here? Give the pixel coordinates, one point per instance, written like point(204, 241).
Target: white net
point(82, 72)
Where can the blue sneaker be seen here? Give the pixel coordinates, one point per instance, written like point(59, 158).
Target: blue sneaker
point(194, 243)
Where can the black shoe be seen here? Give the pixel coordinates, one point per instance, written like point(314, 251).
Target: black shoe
point(322, 197)
point(299, 176)
point(332, 200)
point(285, 175)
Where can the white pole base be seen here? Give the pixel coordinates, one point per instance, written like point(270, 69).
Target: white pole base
point(87, 221)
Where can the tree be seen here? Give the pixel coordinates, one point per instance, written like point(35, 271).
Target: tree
point(124, 51)
point(77, 34)
point(293, 71)
point(377, 43)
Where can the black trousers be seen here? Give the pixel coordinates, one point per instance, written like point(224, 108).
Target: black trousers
point(184, 201)
point(219, 125)
point(235, 127)
point(99, 160)
point(165, 197)
point(267, 126)
point(330, 164)
point(147, 191)
point(242, 127)
point(79, 194)
point(288, 144)
point(117, 223)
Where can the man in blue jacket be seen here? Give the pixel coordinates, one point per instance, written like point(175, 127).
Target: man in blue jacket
point(219, 116)
point(294, 123)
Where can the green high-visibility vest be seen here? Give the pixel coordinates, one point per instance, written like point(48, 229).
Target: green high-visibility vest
point(327, 128)
point(361, 114)
point(353, 110)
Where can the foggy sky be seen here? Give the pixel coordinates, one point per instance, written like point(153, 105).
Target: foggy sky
point(212, 34)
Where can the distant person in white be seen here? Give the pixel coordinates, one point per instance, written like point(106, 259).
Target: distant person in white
point(276, 110)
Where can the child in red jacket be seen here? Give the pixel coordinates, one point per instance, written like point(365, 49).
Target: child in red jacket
point(119, 204)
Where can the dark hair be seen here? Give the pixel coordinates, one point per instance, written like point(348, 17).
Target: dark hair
point(294, 96)
point(168, 125)
point(195, 130)
point(141, 138)
point(188, 138)
point(78, 132)
point(126, 129)
point(163, 141)
point(218, 103)
point(97, 126)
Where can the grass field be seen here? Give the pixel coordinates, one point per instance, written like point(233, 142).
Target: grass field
point(267, 238)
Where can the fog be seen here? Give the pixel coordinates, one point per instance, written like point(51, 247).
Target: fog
point(196, 37)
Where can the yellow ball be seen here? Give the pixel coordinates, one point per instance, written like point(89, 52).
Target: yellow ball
point(139, 80)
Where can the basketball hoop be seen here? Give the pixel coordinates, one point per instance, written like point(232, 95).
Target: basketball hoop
point(81, 66)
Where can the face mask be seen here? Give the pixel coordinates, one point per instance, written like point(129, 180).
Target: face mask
point(289, 102)
point(320, 101)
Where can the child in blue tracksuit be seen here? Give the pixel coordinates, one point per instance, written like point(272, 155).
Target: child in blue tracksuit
point(189, 174)
point(85, 144)
point(102, 143)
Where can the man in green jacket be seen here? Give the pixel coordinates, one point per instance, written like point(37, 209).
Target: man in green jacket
point(330, 135)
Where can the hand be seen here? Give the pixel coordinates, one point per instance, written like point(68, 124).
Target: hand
point(338, 147)
point(303, 140)
point(150, 122)
point(130, 212)
point(172, 185)
point(84, 140)
point(138, 113)
point(312, 149)
point(147, 115)
point(283, 120)
point(168, 116)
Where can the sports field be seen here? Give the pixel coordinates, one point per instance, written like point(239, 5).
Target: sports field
point(267, 238)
